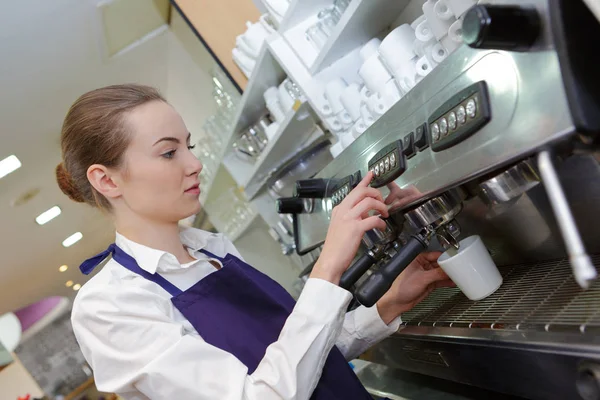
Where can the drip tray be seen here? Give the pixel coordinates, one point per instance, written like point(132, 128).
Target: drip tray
point(539, 296)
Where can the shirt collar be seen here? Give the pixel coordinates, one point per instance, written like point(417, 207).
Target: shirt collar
point(152, 260)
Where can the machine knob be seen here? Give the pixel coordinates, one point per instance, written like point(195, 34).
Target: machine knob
point(588, 381)
point(311, 188)
point(290, 205)
point(501, 27)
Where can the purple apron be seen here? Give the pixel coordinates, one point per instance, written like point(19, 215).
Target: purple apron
point(242, 311)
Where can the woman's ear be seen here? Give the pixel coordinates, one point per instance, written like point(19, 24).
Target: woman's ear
point(102, 179)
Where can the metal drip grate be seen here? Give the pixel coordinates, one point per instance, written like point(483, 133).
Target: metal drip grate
point(536, 296)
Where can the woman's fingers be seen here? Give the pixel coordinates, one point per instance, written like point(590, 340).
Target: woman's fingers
point(445, 283)
point(360, 193)
point(373, 222)
point(435, 275)
point(366, 205)
point(366, 180)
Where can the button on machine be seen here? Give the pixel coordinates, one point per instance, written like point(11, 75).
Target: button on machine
point(452, 120)
point(435, 132)
point(338, 189)
point(460, 117)
point(388, 164)
point(443, 127)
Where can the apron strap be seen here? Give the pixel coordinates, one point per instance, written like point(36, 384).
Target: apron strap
point(211, 255)
point(128, 262)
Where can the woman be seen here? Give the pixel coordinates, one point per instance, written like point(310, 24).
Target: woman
point(178, 314)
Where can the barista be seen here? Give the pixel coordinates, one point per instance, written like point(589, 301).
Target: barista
point(179, 314)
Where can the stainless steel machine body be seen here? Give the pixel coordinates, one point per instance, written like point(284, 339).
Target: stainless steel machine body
point(538, 335)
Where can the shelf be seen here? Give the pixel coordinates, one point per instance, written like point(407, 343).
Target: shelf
point(292, 133)
point(300, 10)
point(362, 21)
point(266, 73)
point(298, 129)
point(220, 155)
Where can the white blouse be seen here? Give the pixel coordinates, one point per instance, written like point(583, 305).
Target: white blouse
point(141, 347)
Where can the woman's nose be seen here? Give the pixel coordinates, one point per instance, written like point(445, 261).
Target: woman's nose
point(195, 166)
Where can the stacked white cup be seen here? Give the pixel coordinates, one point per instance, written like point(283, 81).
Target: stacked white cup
point(248, 45)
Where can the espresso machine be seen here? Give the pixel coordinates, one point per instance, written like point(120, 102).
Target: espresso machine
point(501, 140)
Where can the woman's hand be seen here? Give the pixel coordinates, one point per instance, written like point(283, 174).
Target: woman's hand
point(349, 222)
point(414, 284)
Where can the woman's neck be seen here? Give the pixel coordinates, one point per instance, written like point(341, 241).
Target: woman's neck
point(153, 234)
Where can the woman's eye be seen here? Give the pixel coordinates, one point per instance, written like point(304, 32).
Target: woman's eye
point(169, 154)
point(191, 147)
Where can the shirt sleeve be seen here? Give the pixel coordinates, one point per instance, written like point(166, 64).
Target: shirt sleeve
point(363, 328)
point(136, 349)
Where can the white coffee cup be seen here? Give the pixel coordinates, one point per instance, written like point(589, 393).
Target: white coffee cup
point(459, 7)
point(443, 11)
point(359, 128)
point(285, 98)
point(423, 32)
point(255, 35)
point(438, 53)
point(369, 49)
point(241, 44)
point(397, 46)
point(424, 66)
point(472, 269)
point(438, 26)
point(351, 100)
point(417, 21)
point(449, 44)
point(391, 93)
point(245, 63)
point(271, 97)
point(374, 73)
point(365, 94)
point(406, 77)
point(334, 124)
point(455, 31)
point(333, 93)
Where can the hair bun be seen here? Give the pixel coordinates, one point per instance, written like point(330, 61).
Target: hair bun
point(65, 182)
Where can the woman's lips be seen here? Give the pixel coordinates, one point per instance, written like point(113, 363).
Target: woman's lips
point(195, 190)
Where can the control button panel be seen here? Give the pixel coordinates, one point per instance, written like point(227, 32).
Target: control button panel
point(408, 145)
point(388, 164)
point(340, 188)
point(460, 117)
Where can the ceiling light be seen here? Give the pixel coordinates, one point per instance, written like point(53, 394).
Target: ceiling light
point(48, 216)
point(8, 165)
point(63, 268)
point(69, 284)
point(76, 287)
point(71, 240)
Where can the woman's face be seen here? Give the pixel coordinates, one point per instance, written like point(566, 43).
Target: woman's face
point(159, 178)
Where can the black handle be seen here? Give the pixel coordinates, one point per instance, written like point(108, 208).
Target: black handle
point(381, 281)
point(311, 188)
point(356, 270)
point(290, 205)
point(501, 27)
